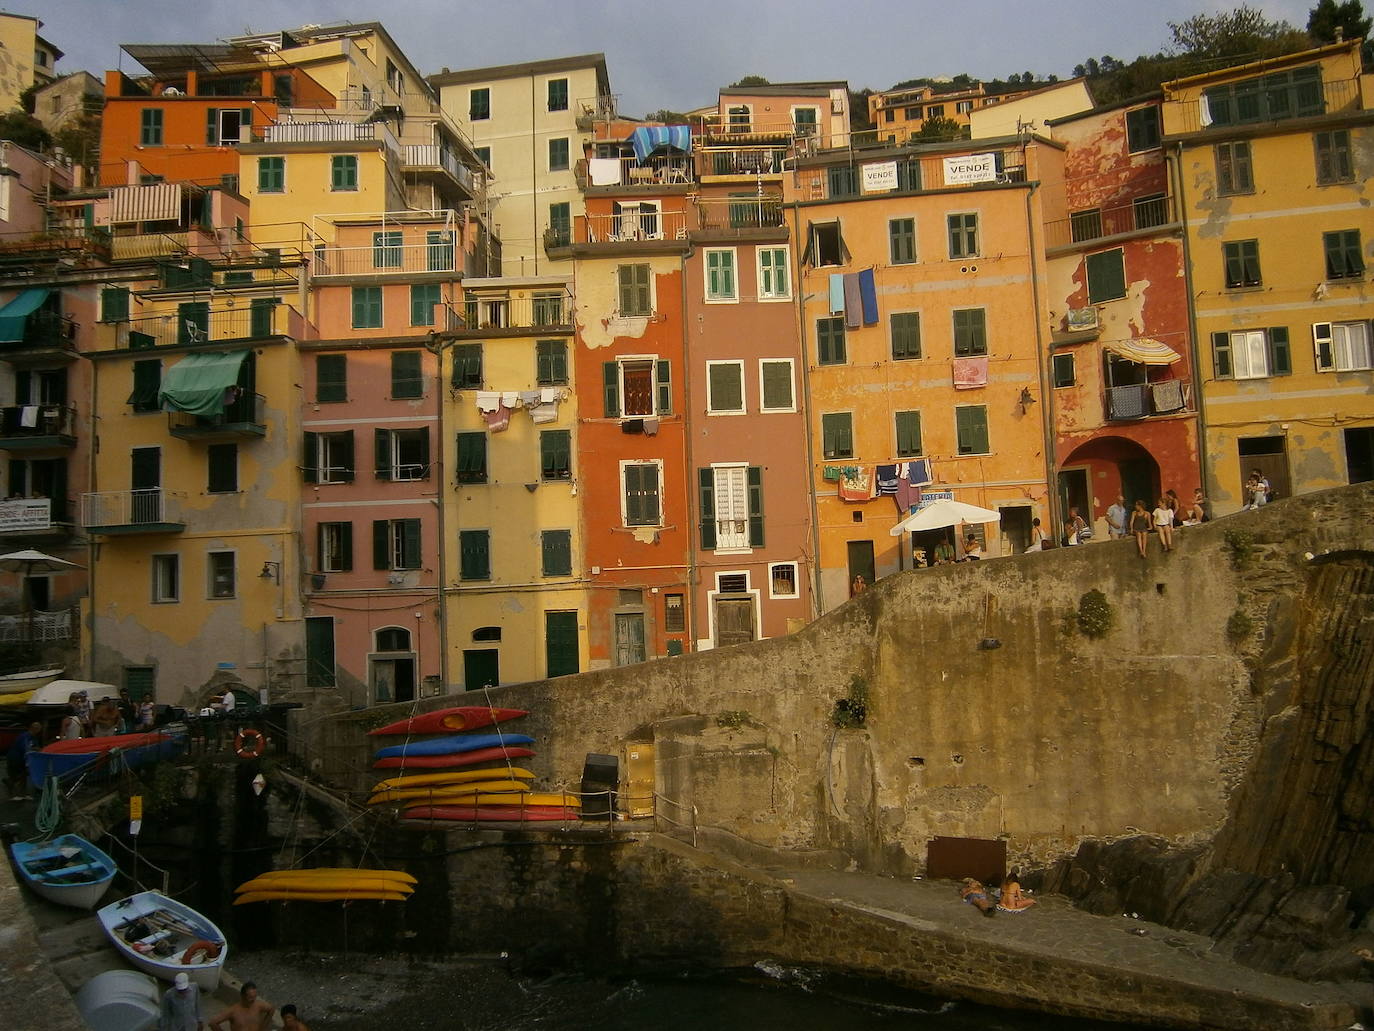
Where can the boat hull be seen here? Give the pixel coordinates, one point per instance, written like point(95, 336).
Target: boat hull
point(279, 895)
point(13, 683)
point(455, 745)
point(457, 759)
point(87, 877)
point(183, 927)
point(46, 764)
point(447, 721)
point(120, 1000)
point(427, 791)
point(493, 814)
point(420, 780)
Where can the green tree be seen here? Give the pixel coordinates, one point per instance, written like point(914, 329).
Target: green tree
point(858, 110)
point(667, 117)
point(941, 129)
point(22, 128)
point(750, 80)
point(1324, 20)
point(80, 138)
point(1237, 35)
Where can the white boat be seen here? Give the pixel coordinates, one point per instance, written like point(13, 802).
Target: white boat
point(120, 1000)
point(58, 692)
point(30, 680)
point(158, 935)
point(68, 870)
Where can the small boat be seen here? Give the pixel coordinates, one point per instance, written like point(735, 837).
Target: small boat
point(440, 762)
point(96, 760)
point(28, 680)
point(444, 721)
point(91, 745)
point(337, 882)
point(120, 1000)
point(506, 798)
point(288, 895)
point(452, 745)
point(58, 692)
point(68, 870)
point(457, 777)
point(13, 701)
point(493, 814)
point(425, 792)
point(164, 937)
point(339, 871)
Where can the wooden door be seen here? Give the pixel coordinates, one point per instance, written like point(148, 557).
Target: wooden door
point(629, 638)
point(481, 668)
point(560, 643)
point(734, 621)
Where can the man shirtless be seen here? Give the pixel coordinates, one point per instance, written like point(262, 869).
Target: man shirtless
point(290, 1021)
point(248, 1014)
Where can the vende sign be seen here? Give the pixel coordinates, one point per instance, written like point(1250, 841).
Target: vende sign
point(25, 514)
point(972, 168)
point(880, 176)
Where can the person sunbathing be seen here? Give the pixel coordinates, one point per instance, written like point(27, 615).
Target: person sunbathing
point(1012, 901)
point(976, 895)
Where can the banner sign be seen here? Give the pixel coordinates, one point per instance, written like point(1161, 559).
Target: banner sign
point(25, 514)
point(880, 176)
point(971, 168)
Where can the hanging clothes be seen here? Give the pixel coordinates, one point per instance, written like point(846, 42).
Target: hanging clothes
point(918, 472)
point(488, 401)
point(857, 484)
point(887, 479)
point(868, 297)
point(970, 373)
point(545, 406)
point(836, 293)
point(832, 474)
point(651, 427)
point(853, 302)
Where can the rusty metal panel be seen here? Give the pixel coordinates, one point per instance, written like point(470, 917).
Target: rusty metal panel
point(953, 858)
point(637, 779)
point(155, 202)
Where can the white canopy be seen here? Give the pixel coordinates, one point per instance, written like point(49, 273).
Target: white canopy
point(942, 513)
point(57, 692)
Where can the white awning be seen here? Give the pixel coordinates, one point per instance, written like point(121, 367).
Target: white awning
point(156, 202)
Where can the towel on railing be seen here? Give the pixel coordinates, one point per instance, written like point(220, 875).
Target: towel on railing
point(1168, 395)
point(28, 418)
point(1126, 402)
point(970, 373)
point(603, 171)
point(887, 479)
point(853, 301)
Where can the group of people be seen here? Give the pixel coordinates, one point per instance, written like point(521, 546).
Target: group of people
point(1169, 512)
point(107, 717)
point(1009, 900)
point(182, 1011)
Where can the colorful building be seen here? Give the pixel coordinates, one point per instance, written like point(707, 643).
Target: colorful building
point(901, 113)
point(26, 58)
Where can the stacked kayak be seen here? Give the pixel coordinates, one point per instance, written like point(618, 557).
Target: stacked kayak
point(94, 755)
point(326, 884)
point(443, 721)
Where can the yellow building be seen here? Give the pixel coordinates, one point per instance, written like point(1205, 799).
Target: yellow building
point(514, 587)
point(26, 58)
point(1271, 164)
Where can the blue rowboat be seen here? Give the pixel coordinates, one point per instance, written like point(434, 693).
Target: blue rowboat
point(68, 870)
point(164, 937)
point(454, 745)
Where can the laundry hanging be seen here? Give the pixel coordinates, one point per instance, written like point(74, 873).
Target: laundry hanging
point(857, 484)
point(970, 373)
point(868, 297)
point(853, 302)
point(836, 293)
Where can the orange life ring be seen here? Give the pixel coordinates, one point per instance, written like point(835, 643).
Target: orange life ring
point(211, 950)
point(248, 743)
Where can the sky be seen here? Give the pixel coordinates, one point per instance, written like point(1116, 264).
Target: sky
point(662, 54)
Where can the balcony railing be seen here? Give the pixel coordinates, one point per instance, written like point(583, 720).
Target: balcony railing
point(1095, 223)
point(203, 242)
point(39, 425)
point(45, 331)
point(425, 156)
point(133, 511)
point(1262, 106)
point(658, 170)
point(488, 313)
point(329, 130)
point(245, 417)
point(38, 626)
point(715, 126)
point(387, 259)
point(741, 160)
point(596, 109)
point(63, 237)
point(725, 214)
point(1134, 401)
point(181, 328)
point(636, 227)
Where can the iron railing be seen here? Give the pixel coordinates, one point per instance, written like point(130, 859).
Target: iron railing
point(40, 420)
point(1095, 223)
point(757, 212)
point(549, 310)
point(245, 322)
point(637, 226)
point(245, 410)
point(741, 160)
point(388, 259)
point(1132, 401)
point(657, 170)
point(131, 508)
point(24, 628)
point(1262, 105)
point(431, 155)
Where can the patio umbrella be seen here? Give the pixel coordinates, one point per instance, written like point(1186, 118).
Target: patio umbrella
point(27, 563)
point(943, 513)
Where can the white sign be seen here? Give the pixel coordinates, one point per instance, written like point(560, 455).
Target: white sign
point(972, 168)
point(929, 497)
point(879, 176)
point(25, 514)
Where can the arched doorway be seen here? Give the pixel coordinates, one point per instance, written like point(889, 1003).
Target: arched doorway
point(391, 666)
point(1097, 470)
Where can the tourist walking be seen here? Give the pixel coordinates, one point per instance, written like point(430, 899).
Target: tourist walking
point(1141, 526)
point(181, 1007)
point(1116, 518)
point(1164, 524)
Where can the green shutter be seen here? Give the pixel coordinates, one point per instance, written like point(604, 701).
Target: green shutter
point(381, 544)
point(1280, 356)
point(472, 458)
point(830, 341)
point(310, 458)
point(971, 424)
point(212, 126)
point(147, 383)
point(1221, 354)
point(610, 389)
point(665, 387)
point(114, 304)
point(260, 316)
point(551, 362)
point(555, 454)
point(410, 543)
point(319, 651)
point(556, 546)
point(349, 465)
point(560, 631)
point(382, 442)
point(407, 379)
point(755, 476)
point(331, 378)
point(1106, 275)
point(706, 492)
point(423, 298)
point(474, 555)
point(908, 434)
point(345, 547)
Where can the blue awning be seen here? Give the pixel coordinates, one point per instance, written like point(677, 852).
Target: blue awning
point(14, 316)
point(647, 139)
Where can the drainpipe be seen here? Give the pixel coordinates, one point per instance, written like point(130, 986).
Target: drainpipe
point(817, 598)
point(534, 183)
point(92, 548)
point(1176, 173)
point(1046, 394)
point(436, 346)
point(693, 497)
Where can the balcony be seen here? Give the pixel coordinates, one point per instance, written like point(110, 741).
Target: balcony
point(1135, 401)
point(329, 130)
point(659, 170)
point(136, 246)
point(739, 215)
point(128, 512)
point(388, 259)
point(727, 127)
point(38, 627)
point(187, 327)
point(40, 427)
point(1253, 104)
point(637, 227)
point(66, 239)
point(48, 336)
point(591, 110)
point(1085, 227)
point(500, 314)
point(745, 161)
point(242, 419)
point(432, 159)
point(36, 520)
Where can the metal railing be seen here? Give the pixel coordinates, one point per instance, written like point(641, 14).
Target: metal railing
point(387, 259)
point(658, 170)
point(328, 130)
point(431, 155)
point(247, 409)
point(38, 627)
point(1262, 106)
point(1096, 223)
point(760, 212)
point(131, 508)
point(1133, 401)
point(596, 109)
point(46, 329)
point(241, 323)
point(502, 311)
point(716, 125)
point(149, 245)
point(741, 160)
point(633, 227)
point(38, 420)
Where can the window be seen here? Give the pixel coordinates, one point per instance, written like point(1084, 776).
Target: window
point(547, 309)
point(479, 104)
point(1343, 257)
point(396, 544)
point(776, 385)
point(424, 297)
point(1342, 346)
point(147, 383)
point(634, 289)
point(483, 155)
point(640, 498)
point(222, 465)
point(935, 111)
point(474, 554)
point(401, 454)
point(166, 578)
point(560, 224)
point(775, 282)
point(221, 576)
point(1062, 369)
point(674, 614)
point(551, 362)
point(725, 388)
point(558, 154)
point(1266, 98)
point(555, 548)
point(843, 181)
point(407, 378)
point(386, 249)
point(963, 107)
point(150, 127)
point(1142, 129)
point(331, 378)
point(394, 78)
point(909, 174)
point(971, 429)
point(271, 175)
point(558, 94)
point(782, 580)
point(905, 329)
point(901, 240)
point(472, 457)
point(970, 332)
point(1234, 174)
point(329, 457)
point(1252, 354)
point(1085, 225)
point(114, 304)
point(343, 172)
point(720, 274)
point(830, 349)
point(1333, 157)
point(645, 384)
point(334, 548)
point(1241, 258)
point(804, 120)
point(825, 245)
point(228, 126)
point(963, 235)
point(555, 454)
point(731, 499)
point(1149, 212)
point(908, 427)
point(467, 366)
point(837, 434)
point(1106, 273)
point(890, 114)
point(367, 307)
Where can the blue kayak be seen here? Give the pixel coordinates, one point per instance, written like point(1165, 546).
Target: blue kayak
point(453, 745)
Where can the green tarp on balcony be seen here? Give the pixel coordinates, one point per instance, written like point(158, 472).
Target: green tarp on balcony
point(14, 317)
point(199, 383)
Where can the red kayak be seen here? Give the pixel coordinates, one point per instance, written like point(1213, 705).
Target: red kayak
point(95, 745)
point(439, 762)
point(493, 813)
point(446, 721)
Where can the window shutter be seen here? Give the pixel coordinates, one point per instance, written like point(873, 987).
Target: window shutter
point(845, 256)
point(1221, 354)
point(346, 453)
point(1235, 271)
point(310, 462)
point(383, 454)
point(319, 547)
point(212, 126)
point(1322, 346)
point(828, 435)
point(381, 544)
point(331, 377)
point(114, 304)
point(808, 255)
point(706, 480)
point(345, 547)
point(643, 302)
point(410, 543)
point(665, 387)
point(1280, 356)
point(755, 506)
point(610, 381)
point(424, 454)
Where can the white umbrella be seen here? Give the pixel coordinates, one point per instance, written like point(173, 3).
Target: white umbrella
point(943, 513)
point(34, 562)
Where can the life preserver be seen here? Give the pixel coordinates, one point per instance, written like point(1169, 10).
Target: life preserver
point(211, 950)
point(248, 743)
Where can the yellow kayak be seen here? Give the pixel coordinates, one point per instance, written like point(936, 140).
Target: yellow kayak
point(438, 790)
point(457, 777)
point(505, 798)
point(15, 700)
point(325, 871)
point(282, 895)
point(336, 882)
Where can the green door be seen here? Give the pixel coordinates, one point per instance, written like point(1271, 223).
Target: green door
point(319, 651)
point(560, 642)
point(141, 682)
point(481, 668)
